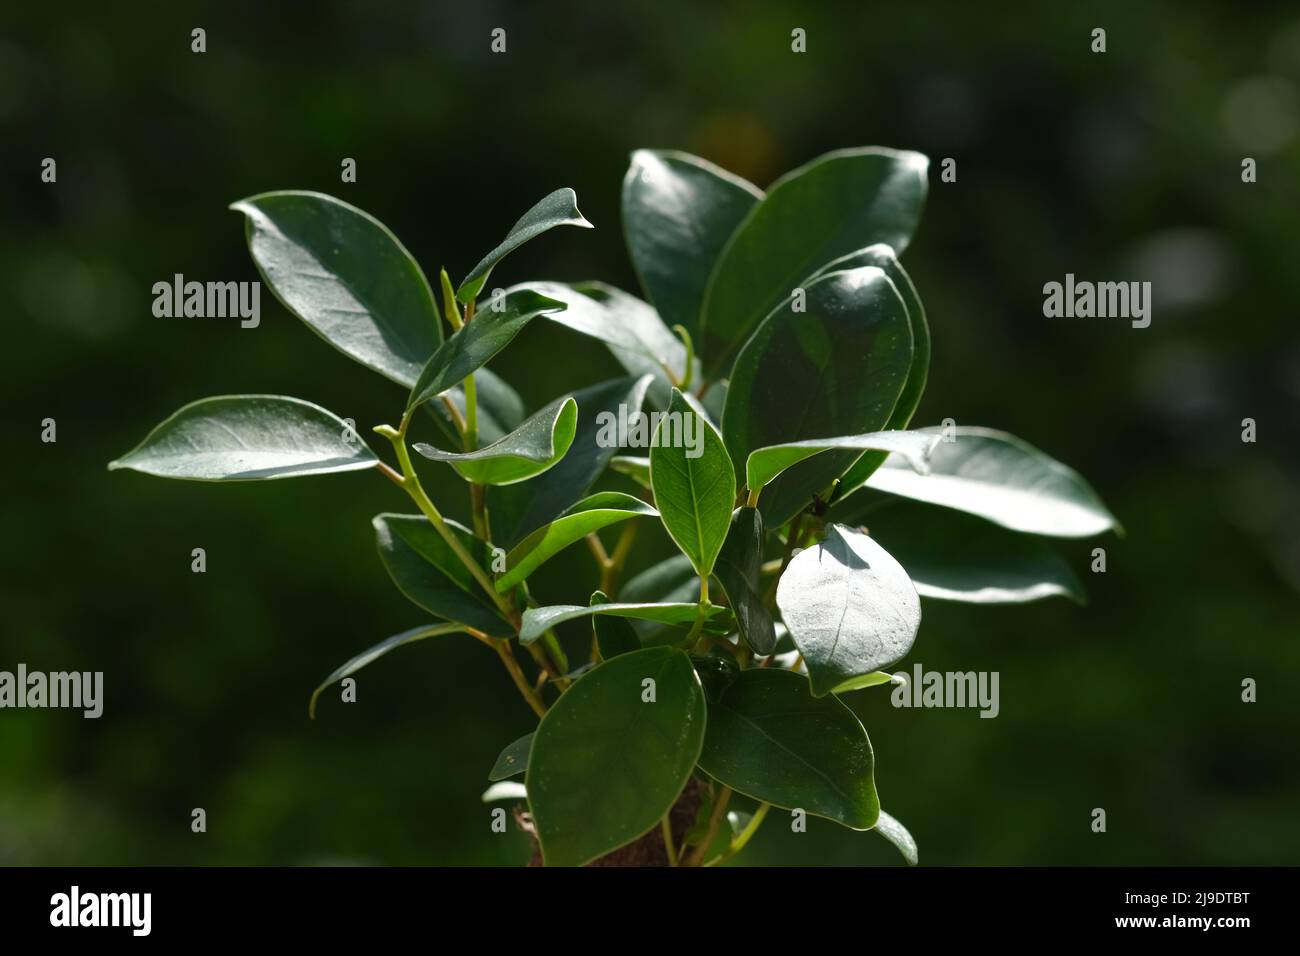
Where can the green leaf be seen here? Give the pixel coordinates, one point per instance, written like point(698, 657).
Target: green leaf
point(589, 515)
point(538, 620)
point(881, 256)
point(850, 608)
point(606, 764)
point(874, 679)
point(694, 495)
point(765, 464)
point(512, 760)
point(835, 369)
point(560, 208)
point(614, 635)
point(836, 204)
point(737, 570)
point(474, 344)
point(427, 571)
point(772, 740)
point(956, 557)
point(1004, 480)
point(636, 468)
point(631, 329)
point(500, 409)
point(893, 831)
point(517, 510)
point(678, 213)
point(672, 581)
point(532, 448)
point(343, 273)
point(247, 437)
point(372, 654)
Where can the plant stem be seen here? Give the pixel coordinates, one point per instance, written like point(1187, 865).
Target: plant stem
point(744, 836)
point(622, 549)
point(507, 656)
point(791, 542)
point(696, 856)
point(667, 830)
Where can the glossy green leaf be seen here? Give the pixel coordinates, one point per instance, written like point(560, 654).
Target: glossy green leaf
point(893, 831)
point(678, 213)
point(672, 581)
point(956, 557)
point(874, 679)
point(766, 463)
point(835, 369)
point(248, 437)
point(631, 329)
point(882, 257)
point(769, 738)
point(587, 516)
point(427, 571)
point(372, 654)
point(538, 620)
point(343, 273)
point(518, 510)
point(635, 467)
point(1004, 480)
point(606, 763)
point(500, 409)
point(694, 495)
point(850, 608)
point(473, 345)
point(513, 759)
point(560, 208)
point(613, 635)
point(836, 204)
point(737, 570)
point(532, 448)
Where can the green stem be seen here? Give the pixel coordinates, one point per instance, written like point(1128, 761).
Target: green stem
point(696, 856)
point(667, 830)
point(744, 836)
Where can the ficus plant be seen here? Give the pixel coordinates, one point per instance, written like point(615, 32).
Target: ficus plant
point(774, 366)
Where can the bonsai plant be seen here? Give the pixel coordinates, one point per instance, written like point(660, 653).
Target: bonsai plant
point(774, 365)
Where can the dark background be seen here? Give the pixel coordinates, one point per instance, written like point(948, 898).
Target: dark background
point(1122, 166)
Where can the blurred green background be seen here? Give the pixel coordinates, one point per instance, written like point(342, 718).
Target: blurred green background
point(1117, 166)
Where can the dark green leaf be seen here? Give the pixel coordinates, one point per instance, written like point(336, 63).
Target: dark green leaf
point(678, 213)
point(343, 273)
point(532, 448)
point(614, 635)
point(477, 341)
point(606, 764)
point(589, 515)
point(835, 369)
point(636, 468)
point(500, 409)
point(372, 654)
point(517, 510)
point(673, 581)
point(766, 463)
point(881, 256)
point(956, 557)
point(694, 495)
point(737, 570)
point(849, 606)
point(247, 437)
point(513, 759)
point(1004, 480)
point(538, 620)
point(630, 328)
point(560, 208)
point(834, 205)
point(770, 739)
point(427, 571)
